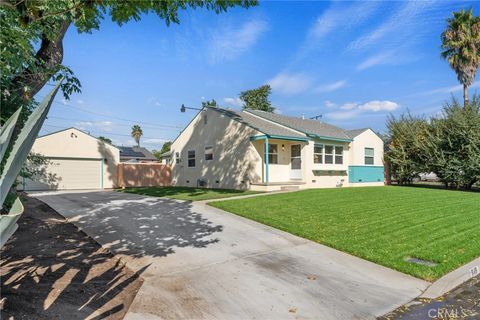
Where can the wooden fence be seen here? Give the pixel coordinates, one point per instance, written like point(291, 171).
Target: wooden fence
point(143, 175)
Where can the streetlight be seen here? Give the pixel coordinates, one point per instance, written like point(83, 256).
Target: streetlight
point(183, 108)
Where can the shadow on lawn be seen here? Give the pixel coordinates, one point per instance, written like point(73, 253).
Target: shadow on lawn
point(179, 191)
point(51, 270)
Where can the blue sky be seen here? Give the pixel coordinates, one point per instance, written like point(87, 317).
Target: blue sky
point(352, 62)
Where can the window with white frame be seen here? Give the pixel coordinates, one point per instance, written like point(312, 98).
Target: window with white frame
point(191, 158)
point(338, 155)
point(208, 153)
point(177, 157)
point(369, 156)
point(329, 154)
point(273, 154)
point(318, 153)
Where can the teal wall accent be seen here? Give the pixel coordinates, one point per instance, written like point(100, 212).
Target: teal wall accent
point(365, 174)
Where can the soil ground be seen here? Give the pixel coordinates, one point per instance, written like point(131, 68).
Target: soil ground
point(51, 270)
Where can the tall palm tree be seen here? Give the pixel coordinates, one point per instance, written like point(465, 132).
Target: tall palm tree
point(137, 133)
point(461, 47)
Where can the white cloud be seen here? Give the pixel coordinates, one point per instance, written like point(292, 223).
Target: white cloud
point(353, 109)
point(230, 43)
point(154, 102)
point(105, 126)
point(154, 141)
point(330, 104)
point(451, 89)
point(235, 102)
point(80, 101)
point(331, 86)
point(290, 83)
point(378, 59)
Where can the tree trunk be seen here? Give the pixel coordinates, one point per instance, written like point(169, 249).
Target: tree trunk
point(465, 96)
point(49, 57)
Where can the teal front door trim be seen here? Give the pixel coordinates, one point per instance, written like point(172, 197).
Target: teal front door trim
point(359, 174)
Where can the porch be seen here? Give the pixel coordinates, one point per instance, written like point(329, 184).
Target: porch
point(282, 164)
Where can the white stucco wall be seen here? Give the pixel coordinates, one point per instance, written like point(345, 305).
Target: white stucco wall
point(367, 139)
point(236, 160)
point(75, 144)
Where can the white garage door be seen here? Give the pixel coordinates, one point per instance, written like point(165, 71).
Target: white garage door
point(69, 174)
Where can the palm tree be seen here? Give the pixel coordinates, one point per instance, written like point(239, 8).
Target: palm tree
point(461, 45)
point(137, 133)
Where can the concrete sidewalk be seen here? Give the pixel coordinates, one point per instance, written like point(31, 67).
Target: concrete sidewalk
point(205, 263)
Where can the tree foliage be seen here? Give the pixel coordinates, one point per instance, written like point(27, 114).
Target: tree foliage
point(447, 145)
point(257, 99)
point(166, 147)
point(105, 139)
point(32, 33)
point(137, 133)
point(461, 47)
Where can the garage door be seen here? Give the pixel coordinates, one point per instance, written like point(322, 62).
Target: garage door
point(68, 174)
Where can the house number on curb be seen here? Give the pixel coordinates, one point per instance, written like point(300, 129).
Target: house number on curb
point(474, 271)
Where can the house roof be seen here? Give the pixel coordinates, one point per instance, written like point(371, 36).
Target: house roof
point(136, 153)
point(307, 126)
point(259, 124)
point(355, 132)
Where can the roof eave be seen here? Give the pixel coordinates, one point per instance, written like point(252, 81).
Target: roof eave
point(316, 136)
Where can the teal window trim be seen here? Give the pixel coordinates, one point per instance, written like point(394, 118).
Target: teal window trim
point(328, 138)
point(265, 136)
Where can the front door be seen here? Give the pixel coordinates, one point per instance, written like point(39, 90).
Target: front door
point(296, 162)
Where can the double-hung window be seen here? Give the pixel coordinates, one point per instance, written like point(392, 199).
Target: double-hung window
point(273, 154)
point(338, 155)
point(318, 153)
point(208, 153)
point(369, 156)
point(191, 158)
point(328, 154)
point(177, 157)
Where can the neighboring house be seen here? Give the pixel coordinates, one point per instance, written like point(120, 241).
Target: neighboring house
point(77, 160)
point(166, 157)
point(136, 154)
point(266, 151)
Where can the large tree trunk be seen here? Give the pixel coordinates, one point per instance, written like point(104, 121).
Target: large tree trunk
point(49, 57)
point(465, 96)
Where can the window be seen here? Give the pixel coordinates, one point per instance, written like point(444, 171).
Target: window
point(318, 153)
point(208, 153)
point(338, 155)
point(369, 152)
point(329, 154)
point(191, 158)
point(177, 157)
point(273, 154)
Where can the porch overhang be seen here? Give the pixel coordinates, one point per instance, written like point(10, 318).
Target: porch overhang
point(315, 136)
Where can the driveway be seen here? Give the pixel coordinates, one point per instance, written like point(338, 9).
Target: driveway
point(204, 263)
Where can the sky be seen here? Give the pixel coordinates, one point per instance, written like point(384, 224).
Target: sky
point(354, 63)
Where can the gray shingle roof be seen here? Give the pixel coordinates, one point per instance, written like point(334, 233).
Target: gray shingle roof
point(355, 132)
point(307, 126)
point(259, 124)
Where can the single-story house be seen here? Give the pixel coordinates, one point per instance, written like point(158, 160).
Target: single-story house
point(166, 157)
point(258, 150)
point(76, 160)
point(136, 154)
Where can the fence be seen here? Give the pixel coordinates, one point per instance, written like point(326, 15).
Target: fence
point(143, 174)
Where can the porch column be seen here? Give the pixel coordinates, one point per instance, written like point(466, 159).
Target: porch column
point(265, 180)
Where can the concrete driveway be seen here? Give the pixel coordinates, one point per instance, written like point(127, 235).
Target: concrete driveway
point(204, 263)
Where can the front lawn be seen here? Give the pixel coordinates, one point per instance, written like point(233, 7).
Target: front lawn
point(385, 225)
point(187, 193)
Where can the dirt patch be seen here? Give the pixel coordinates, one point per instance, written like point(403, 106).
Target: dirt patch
point(51, 270)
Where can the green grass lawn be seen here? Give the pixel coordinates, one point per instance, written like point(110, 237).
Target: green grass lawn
point(186, 193)
point(381, 224)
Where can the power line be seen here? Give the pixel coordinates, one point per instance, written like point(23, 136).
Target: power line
point(116, 118)
point(116, 124)
point(105, 133)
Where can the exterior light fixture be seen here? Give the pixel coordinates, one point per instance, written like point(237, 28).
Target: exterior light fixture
point(183, 109)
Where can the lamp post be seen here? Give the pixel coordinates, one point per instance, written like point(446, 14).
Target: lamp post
point(183, 109)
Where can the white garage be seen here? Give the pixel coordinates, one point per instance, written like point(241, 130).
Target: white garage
point(76, 161)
